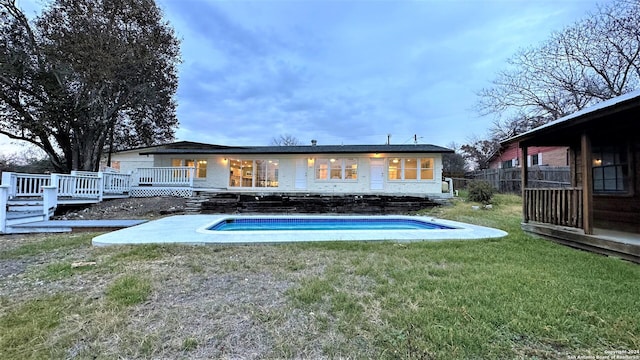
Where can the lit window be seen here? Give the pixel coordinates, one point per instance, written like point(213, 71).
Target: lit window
point(610, 169)
point(350, 169)
point(411, 169)
point(322, 169)
point(426, 169)
point(336, 169)
point(200, 165)
point(253, 173)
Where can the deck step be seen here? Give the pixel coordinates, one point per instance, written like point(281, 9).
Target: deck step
point(23, 217)
point(24, 208)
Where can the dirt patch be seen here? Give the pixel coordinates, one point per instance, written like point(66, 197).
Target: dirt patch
point(129, 208)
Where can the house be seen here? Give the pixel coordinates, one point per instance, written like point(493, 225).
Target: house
point(319, 169)
point(127, 161)
point(510, 156)
point(600, 211)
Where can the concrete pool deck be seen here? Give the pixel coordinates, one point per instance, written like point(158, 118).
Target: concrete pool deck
point(193, 229)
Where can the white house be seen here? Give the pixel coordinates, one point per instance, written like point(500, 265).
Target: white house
point(322, 169)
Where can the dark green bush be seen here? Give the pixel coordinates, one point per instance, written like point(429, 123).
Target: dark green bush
point(480, 191)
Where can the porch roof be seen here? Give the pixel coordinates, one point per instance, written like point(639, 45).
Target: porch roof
point(305, 149)
point(555, 132)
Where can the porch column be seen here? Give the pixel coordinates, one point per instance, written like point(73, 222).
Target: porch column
point(587, 184)
point(524, 179)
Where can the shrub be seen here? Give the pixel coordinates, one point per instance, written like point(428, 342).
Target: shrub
point(480, 191)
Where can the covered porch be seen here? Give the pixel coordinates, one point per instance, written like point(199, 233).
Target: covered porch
point(599, 210)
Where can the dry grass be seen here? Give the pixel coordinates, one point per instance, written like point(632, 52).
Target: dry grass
point(517, 297)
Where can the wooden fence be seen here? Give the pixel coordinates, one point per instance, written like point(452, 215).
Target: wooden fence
point(509, 180)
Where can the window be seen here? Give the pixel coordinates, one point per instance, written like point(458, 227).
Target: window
point(610, 169)
point(266, 173)
point(322, 169)
point(410, 169)
point(253, 173)
point(200, 165)
point(535, 159)
point(426, 169)
point(507, 164)
point(336, 169)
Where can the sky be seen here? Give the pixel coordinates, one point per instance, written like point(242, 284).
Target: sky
point(346, 71)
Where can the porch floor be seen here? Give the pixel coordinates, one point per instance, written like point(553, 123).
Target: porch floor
point(618, 236)
point(625, 245)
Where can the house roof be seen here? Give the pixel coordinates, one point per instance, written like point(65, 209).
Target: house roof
point(306, 149)
point(595, 112)
point(175, 145)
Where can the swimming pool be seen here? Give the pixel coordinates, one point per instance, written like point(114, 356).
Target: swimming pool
point(200, 229)
point(327, 224)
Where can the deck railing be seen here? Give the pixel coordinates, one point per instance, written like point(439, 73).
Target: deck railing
point(77, 186)
point(164, 176)
point(25, 185)
point(116, 183)
point(556, 206)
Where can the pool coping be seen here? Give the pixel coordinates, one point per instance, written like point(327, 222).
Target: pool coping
point(192, 229)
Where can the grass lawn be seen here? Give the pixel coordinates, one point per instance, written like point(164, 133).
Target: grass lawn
point(516, 297)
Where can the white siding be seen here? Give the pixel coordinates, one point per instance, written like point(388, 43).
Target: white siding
point(218, 174)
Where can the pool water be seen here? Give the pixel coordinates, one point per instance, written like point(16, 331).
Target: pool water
point(262, 224)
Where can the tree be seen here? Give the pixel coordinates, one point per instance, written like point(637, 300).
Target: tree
point(87, 74)
point(453, 164)
point(478, 152)
point(286, 140)
point(595, 59)
point(28, 161)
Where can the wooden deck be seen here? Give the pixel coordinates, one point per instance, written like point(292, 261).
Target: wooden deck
point(620, 244)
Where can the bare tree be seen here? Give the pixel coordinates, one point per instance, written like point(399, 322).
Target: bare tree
point(478, 152)
point(595, 59)
point(285, 140)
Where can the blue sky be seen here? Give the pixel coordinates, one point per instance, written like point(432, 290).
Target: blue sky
point(347, 72)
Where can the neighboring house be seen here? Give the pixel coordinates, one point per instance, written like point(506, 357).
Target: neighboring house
point(510, 156)
point(603, 201)
point(320, 169)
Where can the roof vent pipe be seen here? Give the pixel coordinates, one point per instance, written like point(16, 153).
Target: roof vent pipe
point(314, 142)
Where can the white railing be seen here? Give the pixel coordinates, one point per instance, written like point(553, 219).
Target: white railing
point(164, 176)
point(25, 185)
point(78, 186)
point(90, 185)
point(115, 183)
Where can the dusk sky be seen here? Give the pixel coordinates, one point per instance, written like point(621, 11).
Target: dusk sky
point(346, 72)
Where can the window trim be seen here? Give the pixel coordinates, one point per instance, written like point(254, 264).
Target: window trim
point(183, 163)
point(331, 166)
point(629, 191)
point(401, 168)
point(254, 171)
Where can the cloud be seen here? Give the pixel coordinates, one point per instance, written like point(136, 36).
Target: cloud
point(346, 71)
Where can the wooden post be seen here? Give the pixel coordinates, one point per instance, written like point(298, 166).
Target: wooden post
point(524, 178)
point(587, 183)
